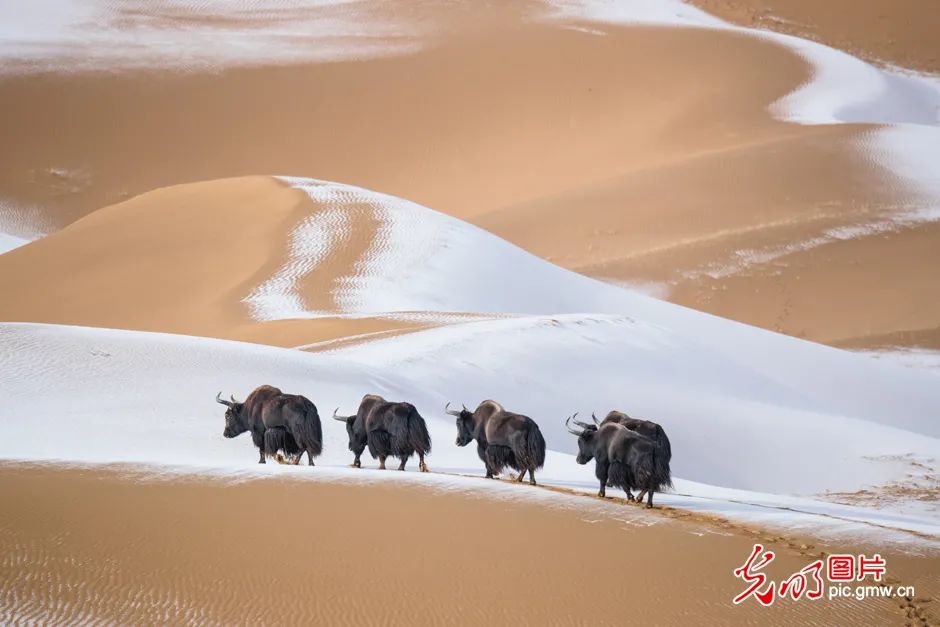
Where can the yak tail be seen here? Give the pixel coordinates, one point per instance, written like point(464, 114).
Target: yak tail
point(418, 437)
point(618, 476)
point(535, 447)
point(652, 472)
point(663, 442)
point(310, 430)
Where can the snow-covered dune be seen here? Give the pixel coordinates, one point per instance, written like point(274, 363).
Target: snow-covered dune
point(417, 259)
point(94, 396)
point(843, 89)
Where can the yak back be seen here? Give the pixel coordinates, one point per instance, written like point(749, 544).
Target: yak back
point(368, 415)
point(400, 420)
point(617, 444)
point(646, 428)
point(253, 407)
point(298, 415)
point(496, 425)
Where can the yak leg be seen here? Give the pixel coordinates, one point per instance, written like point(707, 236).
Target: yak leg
point(532, 477)
point(649, 500)
point(357, 463)
point(381, 462)
point(639, 497)
point(309, 457)
point(421, 465)
point(522, 475)
point(600, 471)
point(258, 439)
point(401, 466)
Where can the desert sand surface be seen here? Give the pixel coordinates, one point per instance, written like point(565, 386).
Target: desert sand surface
point(902, 32)
point(566, 206)
point(640, 154)
point(214, 552)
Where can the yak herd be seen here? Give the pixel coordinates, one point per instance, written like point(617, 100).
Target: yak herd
point(628, 453)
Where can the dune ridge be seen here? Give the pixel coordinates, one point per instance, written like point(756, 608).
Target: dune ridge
point(676, 92)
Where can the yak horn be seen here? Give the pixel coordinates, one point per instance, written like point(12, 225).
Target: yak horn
point(596, 421)
point(340, 418)
point(452, 412)
point(584, 425)
point(568, 425)
point(218, 399)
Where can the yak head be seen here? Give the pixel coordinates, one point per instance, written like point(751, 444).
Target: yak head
point(585, 438)
point(466, 426)
point(350, 421)
point(234, 420)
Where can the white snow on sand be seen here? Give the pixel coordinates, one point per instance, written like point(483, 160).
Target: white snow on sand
point(921, 358)
point(763, 415)
point(843, 89)
point(420, 260)
point(97, 396)
point(19, 225)
point(83, 35)
point(9, 242)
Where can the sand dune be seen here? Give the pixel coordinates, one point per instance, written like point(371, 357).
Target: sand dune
point(754, 174)
point(179, 260)
point(670, 148)
point(104, 392)
point(197, 551)
point(898, 32)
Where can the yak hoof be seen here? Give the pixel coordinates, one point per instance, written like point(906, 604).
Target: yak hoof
point(532, 482)
point(423, 467)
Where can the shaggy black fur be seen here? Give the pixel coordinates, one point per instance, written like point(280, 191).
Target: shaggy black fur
point(278, 440)
point(503, 439)
point(624, 459)
point(648, 428)
point(267, 408)
point(389, 430)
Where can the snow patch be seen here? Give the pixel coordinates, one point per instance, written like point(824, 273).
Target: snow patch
point(148, 399)
point(83, 35)
point(19, 225)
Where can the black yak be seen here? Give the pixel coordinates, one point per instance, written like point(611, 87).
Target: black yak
point(503, 438)
point(389, 430)
point(623, 458)
point(268, 408)
point(644, 427)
